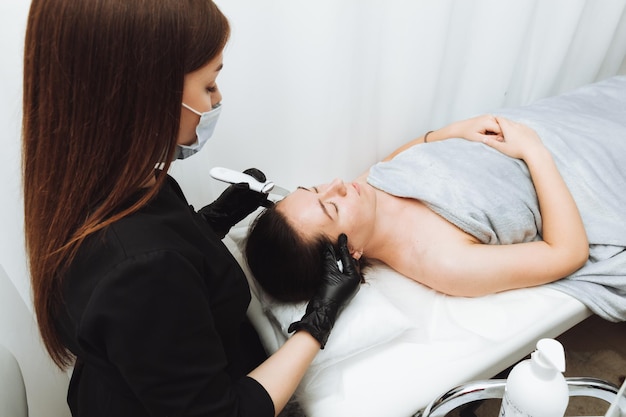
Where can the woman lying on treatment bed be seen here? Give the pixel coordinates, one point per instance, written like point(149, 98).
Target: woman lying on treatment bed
point(467, 219)
point(417, 242)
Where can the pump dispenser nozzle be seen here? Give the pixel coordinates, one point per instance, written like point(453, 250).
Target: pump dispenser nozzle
point(550, 354)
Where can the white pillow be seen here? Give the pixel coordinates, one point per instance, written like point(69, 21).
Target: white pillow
point(369, 320)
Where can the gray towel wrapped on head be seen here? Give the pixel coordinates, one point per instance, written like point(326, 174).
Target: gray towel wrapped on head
point(491, 196)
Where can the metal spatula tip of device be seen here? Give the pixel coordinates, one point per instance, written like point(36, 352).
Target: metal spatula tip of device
point(279, 191)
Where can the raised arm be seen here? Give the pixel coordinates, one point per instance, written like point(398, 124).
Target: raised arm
point(475, 129)
point(486, 269)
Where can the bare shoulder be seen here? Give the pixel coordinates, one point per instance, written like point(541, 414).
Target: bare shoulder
point(428, 242)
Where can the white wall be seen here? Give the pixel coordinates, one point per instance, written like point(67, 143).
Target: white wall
point(46, 386)
point(318, 89)
point(12, 23)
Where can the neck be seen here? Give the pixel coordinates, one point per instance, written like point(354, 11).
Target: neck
point(389, 229)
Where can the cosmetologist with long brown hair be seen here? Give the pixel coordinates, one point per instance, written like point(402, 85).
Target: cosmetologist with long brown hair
point(133, 287)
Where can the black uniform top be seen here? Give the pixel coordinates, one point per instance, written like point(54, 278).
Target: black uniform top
point(156, 313)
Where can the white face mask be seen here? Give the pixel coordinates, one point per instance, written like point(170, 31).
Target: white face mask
point(204, 131)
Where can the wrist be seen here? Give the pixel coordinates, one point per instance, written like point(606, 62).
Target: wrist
point(318, 320)
point(307, 338)
point(537, 155)
point(320, 334)
point(449, 131)
point(441, 134)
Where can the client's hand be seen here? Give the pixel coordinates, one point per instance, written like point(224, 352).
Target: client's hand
point(336, 291)
point(476, 129)
point(235, 203)
point(520, 141)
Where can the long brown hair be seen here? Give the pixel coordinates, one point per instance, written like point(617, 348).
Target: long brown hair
point(103, 82)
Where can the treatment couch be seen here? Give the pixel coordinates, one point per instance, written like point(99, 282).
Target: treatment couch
point(399, 344)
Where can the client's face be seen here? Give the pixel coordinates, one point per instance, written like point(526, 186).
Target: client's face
point(332, 209)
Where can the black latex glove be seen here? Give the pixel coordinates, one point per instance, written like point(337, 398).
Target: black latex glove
point(337, 289)
point(234, 204)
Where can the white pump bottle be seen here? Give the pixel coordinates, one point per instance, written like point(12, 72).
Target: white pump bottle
point(536, 386)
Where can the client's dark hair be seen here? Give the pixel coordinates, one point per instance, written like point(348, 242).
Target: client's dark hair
point(288, 267)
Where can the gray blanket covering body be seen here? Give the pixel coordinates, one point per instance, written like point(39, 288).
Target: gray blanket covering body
point(491, 196)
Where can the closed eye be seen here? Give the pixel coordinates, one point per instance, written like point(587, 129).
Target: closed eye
point(325, 210)
point(321, 204)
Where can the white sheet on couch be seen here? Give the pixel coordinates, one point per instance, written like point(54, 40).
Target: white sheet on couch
point(451, 340)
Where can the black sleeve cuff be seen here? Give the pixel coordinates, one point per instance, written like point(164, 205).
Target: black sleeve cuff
point(256, 401)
